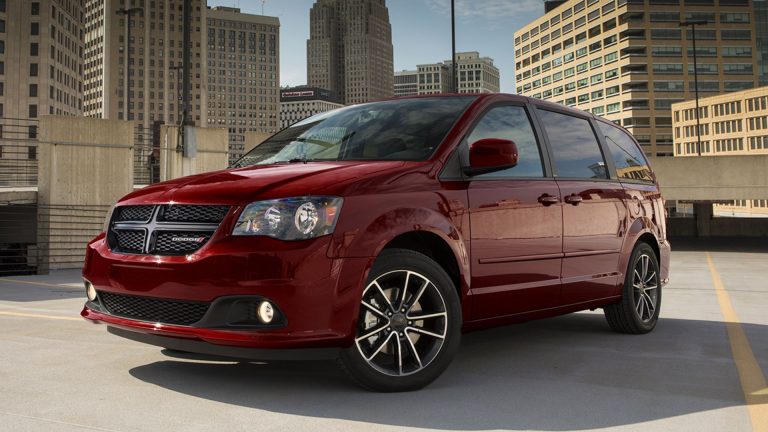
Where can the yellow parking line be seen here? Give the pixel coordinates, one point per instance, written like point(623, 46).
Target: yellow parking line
point(750, 374)
point(29, 315)
point(35, 283)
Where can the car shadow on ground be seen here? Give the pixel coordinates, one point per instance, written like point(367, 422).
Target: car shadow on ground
point(565, 373)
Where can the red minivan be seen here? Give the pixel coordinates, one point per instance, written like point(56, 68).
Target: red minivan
point(377, 233)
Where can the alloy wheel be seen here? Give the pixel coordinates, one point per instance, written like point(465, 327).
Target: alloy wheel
point(645, 283)
point(403, 323)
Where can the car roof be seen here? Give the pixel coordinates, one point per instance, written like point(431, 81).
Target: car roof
point(504, 96)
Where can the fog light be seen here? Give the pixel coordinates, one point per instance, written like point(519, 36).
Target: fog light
point(266, 312)
point(90, 291)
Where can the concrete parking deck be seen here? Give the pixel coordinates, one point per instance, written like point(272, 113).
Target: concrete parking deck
point(702, 369)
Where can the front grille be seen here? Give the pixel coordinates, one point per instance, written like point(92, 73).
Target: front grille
point(153, 310)
point(180, 242)
point(173, 229)
point(193, 213)
point(134, 213)
point(131, 241)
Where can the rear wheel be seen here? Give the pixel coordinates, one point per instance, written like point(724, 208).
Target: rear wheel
point(638, 310)
point(409, 326)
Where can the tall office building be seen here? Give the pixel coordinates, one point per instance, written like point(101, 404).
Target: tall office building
point(406, 83)
point(434, 78)
point(298, 103)
point(243, 62)
point(761, 33)
point(349, 50)
point(732, 124)
point(476, 75)
point(629, 60)
point(40, 74)
point(136, 72)
point(40, 61)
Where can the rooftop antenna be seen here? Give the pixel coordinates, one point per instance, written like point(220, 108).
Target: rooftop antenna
point(263, 2)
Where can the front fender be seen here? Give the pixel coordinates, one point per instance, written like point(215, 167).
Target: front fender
point(367, 224)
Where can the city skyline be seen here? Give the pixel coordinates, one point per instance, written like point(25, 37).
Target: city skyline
point(425, 21)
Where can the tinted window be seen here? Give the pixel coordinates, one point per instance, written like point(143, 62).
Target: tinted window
point(404, 129)
point(575, 149)
point(512, 123)
point(629, 159)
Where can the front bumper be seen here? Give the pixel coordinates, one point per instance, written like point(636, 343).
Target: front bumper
point(318, 297)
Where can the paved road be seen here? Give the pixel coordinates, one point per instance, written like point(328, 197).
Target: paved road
point(59, 373)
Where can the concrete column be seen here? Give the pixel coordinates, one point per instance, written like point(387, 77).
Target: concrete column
point(703, 213)
point(85, 166)
point(207, 150)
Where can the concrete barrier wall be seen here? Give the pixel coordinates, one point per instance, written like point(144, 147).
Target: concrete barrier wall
point(212, 152)
point(85, 165)
point(709, 178)
point(252, 139)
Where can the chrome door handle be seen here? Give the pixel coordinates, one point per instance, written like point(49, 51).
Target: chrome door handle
point(573, 199)
point(548, 199)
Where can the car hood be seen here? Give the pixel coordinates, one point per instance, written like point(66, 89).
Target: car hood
point(244, 185)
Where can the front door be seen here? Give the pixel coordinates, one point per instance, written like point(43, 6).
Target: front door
point(516, 223)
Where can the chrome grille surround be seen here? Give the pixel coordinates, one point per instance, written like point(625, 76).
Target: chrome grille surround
point(169, 229)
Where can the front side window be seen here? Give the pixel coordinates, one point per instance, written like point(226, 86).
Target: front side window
point(575, 148)
point(402, 130)
point(512, 123)
point(627, 156)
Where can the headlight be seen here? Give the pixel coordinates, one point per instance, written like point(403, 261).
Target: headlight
point(296, 218)
point(109, 218)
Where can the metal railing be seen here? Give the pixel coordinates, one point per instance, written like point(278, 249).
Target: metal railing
point(18, 152)
point(146, 151)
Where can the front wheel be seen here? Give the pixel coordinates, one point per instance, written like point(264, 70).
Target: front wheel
point(409, 326)
point(638, 310)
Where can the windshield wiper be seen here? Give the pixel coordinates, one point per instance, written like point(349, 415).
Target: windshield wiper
point(296, 160)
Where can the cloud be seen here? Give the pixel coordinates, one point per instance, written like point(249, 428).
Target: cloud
point(487, 8)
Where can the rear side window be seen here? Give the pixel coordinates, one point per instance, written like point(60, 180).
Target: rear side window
point(512, 123)
point(575, 148)
point(629, 159)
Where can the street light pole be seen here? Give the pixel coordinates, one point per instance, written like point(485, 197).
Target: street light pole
point(126, 88)
point(455, 78)
point(692, 25)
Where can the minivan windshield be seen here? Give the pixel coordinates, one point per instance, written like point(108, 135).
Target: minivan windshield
point(396, 130)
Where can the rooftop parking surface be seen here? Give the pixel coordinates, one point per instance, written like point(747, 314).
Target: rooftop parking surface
point(702, 369)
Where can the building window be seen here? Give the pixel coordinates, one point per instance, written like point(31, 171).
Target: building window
point(33, 69)
point(34, 49)
point(33, 90)
point(35, 8)
point(33, 111)
point(734, 34)
point(34, 29)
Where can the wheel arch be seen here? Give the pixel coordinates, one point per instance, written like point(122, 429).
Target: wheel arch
point(642, 230)
point(436, 248)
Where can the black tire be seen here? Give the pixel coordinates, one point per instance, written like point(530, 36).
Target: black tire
point(638, 310)
point(417, 358)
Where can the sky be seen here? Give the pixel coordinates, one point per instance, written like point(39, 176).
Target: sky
point(421, 31)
